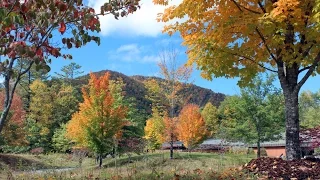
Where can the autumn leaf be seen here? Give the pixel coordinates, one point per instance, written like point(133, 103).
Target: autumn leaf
point(62, 28)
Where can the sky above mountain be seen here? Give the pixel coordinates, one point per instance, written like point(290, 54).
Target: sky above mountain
point(131, 45)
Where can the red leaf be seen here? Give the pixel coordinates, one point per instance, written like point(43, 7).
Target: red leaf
point(39, 52)
point(62, 28)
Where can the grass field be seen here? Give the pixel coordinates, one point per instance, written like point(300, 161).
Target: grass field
point(145, 166)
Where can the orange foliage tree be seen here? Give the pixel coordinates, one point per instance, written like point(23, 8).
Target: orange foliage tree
point(13, 133)
point(242, 38)
point(98, 122)
point(191, 127)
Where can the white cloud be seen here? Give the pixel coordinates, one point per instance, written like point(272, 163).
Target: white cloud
point(133, 53)
point(141, 23)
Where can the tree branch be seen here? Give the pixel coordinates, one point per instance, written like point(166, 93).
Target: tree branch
point(303, 69)
point(252, 60)
point(265, 44)
point(262, 66)
point(250, 10)
point(261, 7)
point(238, 6)
point(310, 71)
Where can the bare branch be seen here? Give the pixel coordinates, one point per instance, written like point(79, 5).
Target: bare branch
point(250, 10)
point(303, 69)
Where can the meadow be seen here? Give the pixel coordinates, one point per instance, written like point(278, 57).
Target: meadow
point(147, 166)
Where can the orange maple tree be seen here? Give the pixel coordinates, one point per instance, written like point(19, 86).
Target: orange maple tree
point(99, 121)
point(14, 133)
point(191, 127)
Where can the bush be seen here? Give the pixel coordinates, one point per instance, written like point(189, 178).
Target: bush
point(263, 152)
point(37, 151)
point(14, 149)
point(238, 150)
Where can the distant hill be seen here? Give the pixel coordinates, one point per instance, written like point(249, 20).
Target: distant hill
point(135, 88)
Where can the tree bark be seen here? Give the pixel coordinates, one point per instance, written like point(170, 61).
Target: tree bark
point(9, 92)
point(171, 146)
point(288, 77)
point(293, 150)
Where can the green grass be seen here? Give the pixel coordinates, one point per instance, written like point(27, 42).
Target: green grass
point(147, 166)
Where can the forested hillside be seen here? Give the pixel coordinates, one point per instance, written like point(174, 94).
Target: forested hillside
point(135, 88)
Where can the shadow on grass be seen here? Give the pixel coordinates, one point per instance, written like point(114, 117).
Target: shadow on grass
point(15, 162)
point(126, 160)
point(164, 156)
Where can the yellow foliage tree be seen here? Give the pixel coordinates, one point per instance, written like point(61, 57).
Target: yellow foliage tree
point(241, 38)
point(191, 127)
point(99, 121)
point(154, 130)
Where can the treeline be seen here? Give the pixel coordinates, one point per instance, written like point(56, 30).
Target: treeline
point(254, 116)
point(43, 106)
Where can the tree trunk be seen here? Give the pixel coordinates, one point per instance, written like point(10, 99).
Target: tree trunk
point(293, 150)
point(100, 160)
point(9, 92)
point(171, 146)
point(288, 76)
point(258, 149)
point(7, 101)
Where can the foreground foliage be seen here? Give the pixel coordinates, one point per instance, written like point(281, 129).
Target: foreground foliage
point(276, 168)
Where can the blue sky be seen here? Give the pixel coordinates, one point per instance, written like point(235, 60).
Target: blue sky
point(131, 46)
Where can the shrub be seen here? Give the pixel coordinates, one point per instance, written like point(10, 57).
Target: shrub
point(263, 152)
point(37, 151)
point(14, 149)
point(238, 150)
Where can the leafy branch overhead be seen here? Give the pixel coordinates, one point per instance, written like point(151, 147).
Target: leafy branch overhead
point(28, 28)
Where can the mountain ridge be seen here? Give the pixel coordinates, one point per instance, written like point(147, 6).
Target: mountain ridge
point(134, 87)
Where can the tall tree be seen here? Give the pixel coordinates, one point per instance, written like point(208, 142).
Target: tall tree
point(64, 104)
point(23, 87)
point(191, 127)
point(40, 117)
point(154, 130)
point(41, 103)
point(243, 38)
point(259, 113)
point(174, 76)
point(100, 117)
point(69, 72)
point(27, 30)
point(210, 115)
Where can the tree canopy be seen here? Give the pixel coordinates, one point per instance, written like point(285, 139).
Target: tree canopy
point(241, 38)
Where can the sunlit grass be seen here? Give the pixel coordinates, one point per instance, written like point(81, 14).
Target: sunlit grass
point(147, 166)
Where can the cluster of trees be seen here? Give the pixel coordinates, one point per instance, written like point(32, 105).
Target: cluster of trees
point(39, 110)
point(189, 127)
point(254, 116)
point(58, 115)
